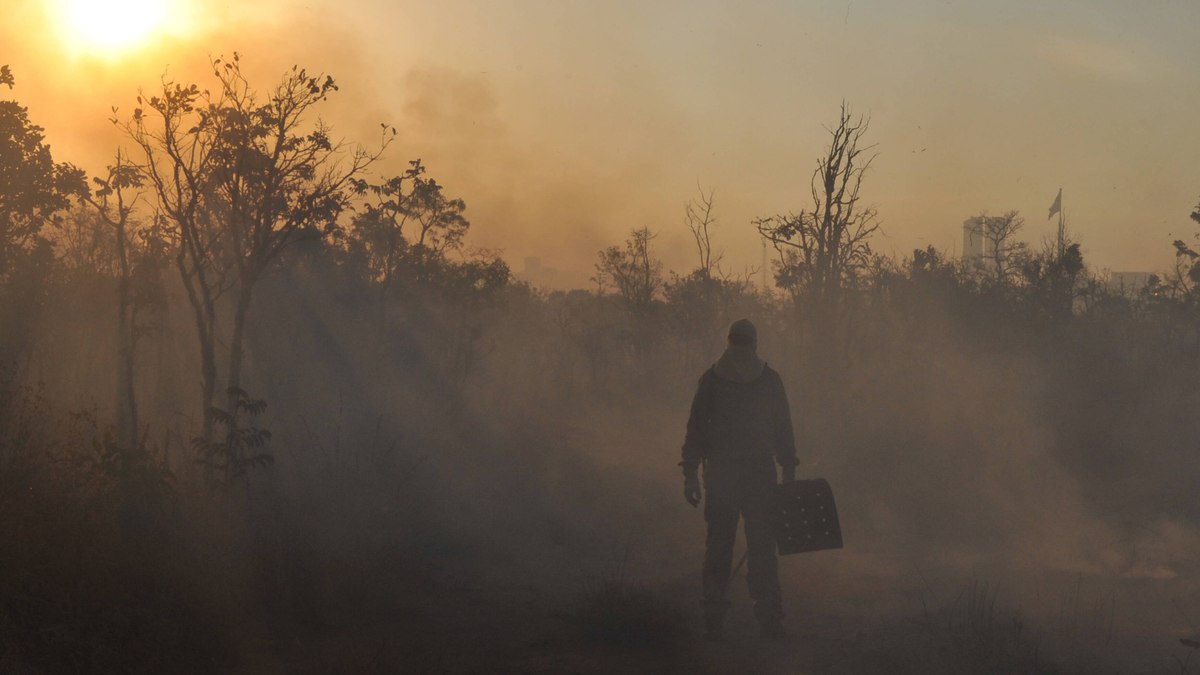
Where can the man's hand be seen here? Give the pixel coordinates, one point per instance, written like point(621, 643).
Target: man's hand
point(691, 490)
point(789, 474)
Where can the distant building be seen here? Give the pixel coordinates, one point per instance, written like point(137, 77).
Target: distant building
point(540, 276)
point(1128, 282)
point(533, 266)
point(975, 244)
point(979, 249)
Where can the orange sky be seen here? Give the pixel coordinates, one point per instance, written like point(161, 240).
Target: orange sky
point(566, 124)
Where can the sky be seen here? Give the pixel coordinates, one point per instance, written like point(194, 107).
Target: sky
point(564, 125)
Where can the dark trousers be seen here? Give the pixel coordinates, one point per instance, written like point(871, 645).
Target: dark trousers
point(734, 491)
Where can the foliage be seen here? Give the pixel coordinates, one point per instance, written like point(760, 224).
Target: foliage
point(135, 468)
point(241, 447)
point(240, 176)
point(1052, 280)
point(34, 189)
point(1189, 254)
point(632, 270)
point(91, 527)
point(438, 227)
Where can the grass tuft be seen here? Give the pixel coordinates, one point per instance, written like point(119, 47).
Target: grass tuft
point(614, 612)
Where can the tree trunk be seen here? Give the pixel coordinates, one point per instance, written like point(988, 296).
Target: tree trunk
point(204, 314)
point(127, 416)
point(236, 351)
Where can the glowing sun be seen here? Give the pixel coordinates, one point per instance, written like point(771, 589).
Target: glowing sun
point(108, 26)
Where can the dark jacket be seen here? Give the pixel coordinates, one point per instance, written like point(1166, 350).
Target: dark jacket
point(739, 422)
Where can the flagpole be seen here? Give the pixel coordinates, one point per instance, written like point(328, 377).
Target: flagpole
point(1056, 207)
point(1061, 231)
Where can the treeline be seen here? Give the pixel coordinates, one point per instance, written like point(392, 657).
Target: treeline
point(238, 323)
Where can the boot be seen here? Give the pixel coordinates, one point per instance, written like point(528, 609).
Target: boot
point(770, 620)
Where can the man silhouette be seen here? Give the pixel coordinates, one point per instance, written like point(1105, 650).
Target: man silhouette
point(740, 427)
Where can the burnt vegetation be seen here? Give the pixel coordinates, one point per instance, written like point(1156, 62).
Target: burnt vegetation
point(442, 437)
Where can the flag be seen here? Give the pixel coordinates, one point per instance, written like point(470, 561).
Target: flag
point(1057, 205)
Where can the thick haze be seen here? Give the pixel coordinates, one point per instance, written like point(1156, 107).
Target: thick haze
point(566, 124)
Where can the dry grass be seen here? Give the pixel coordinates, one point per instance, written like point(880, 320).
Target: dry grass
point(615, 612)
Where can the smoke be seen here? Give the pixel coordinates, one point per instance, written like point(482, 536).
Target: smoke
point(527, 444)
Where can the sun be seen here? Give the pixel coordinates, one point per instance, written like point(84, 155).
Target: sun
point(108, 27)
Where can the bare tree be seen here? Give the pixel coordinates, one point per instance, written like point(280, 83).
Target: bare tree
point(824, 247)
point(632, 269)
point(699, 219)
point(1001, 248)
